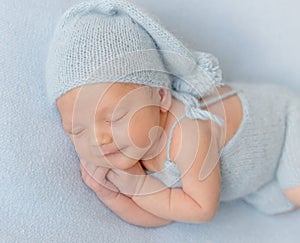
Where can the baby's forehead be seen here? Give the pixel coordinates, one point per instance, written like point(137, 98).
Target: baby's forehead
point(93, 102)
point(67, 100)
point(101, 96)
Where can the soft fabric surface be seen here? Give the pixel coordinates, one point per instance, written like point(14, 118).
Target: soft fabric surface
point(42, 196)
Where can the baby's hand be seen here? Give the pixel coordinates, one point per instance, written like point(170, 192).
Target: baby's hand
point(95, 178)
point(128, 181)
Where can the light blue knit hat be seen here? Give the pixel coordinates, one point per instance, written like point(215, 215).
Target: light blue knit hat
point(115, 41)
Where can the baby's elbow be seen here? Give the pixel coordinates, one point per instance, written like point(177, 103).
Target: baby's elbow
point(212, 211)
point(206, 215)
point(210, 215)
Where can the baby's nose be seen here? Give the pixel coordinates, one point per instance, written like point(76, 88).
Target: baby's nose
point(103, 139)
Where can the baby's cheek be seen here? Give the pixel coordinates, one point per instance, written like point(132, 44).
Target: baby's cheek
point(82, 148)
point(143, 134)
point(138, 137)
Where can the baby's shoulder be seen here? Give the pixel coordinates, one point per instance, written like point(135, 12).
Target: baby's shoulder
point(194, 149)
point(191, 139)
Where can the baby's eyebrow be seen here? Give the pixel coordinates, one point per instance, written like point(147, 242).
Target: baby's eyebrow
point(71, 126)
point(106, 109)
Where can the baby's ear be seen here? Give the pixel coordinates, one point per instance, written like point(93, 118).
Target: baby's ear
point(165, 99)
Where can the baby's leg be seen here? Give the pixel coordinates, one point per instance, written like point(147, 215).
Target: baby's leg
point(270, 199)
point(293, 194)
point(288, 172)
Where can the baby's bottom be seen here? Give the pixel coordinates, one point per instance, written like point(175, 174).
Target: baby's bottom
point(282, 194)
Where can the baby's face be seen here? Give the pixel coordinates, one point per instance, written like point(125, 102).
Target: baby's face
point(112, 124)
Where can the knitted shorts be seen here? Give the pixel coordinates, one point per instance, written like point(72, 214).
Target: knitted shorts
point(288, 172)
point(270, 198)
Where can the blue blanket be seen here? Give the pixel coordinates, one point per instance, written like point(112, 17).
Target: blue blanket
point(42, 196)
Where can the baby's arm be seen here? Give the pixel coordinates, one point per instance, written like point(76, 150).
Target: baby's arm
point(193, 203)
point(122, 205)
point(129, 211)
point(196, 202)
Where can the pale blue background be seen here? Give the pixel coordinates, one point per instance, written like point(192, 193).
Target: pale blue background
point(254, 40)
point(42, 197)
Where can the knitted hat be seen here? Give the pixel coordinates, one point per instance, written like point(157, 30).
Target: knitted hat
point(115, 41)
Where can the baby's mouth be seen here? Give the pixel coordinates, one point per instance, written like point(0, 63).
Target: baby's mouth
point(111, 152)
point(107, 152)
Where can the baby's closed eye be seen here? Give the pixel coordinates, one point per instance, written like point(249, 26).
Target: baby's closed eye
point(118, 117)
point(76, 132)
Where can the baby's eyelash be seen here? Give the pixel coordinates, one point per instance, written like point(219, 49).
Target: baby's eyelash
point(76, 133)
point(119, 118)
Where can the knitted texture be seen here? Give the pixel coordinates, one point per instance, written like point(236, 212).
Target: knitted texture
point(266, 143)
point(115, 41)
point(262, 158)
point(99, 48)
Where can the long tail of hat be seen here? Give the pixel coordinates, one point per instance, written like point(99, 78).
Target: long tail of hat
point(195, 74)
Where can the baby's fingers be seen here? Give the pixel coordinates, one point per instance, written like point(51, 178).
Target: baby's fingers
point(127, 184)
point(88, 180)
point(96, 180)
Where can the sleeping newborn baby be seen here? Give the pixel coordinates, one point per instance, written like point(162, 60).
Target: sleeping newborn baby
point(160, 138)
